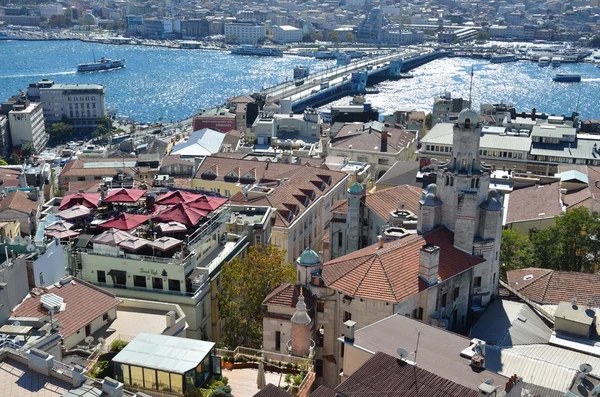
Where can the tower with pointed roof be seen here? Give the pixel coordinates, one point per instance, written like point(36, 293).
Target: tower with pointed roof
point(461, 201)
point(356, 198)
point(300, 343)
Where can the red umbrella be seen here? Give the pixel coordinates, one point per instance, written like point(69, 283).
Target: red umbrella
point(74, 212)
point(181, 213)
point(176, 197)
point(124, 222)
point(89, 200)
point(209, 203)
point(124, 196)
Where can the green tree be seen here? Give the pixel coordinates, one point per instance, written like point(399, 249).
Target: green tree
point(307, 38)
point(61, 131)
point(350, 37)
point(105, 121)
point(572, 244)
point(333, 36)
point(14, 159)
point(27, 149)
point(3, 162)
point(516, 251)
point(60, 21)
point(317, 36)
point(244, 285)
point(595, 41)
point(428, 121)
point(482, 35)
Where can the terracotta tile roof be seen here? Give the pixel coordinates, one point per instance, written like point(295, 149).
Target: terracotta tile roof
point(545, 286)
point(370, 139)
point(10, 177)
point(19, 201)
point(382, 202)
point(175, 159)
point(391, 274)
point(84, 303)
point(578, 198)
point(324, 391)
point(87, 186)
point(340, 206)
point(386, 376)
point(295, 187)
point(271, 390)
point(76, 168)
point(535, 202)
point(241, 99)
point(287, 295)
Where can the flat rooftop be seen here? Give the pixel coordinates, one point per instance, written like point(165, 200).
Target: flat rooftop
point(17, 380)
point(131, 322)
point(439, 350)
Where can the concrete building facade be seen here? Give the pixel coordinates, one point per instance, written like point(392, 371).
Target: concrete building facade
point(26, 122)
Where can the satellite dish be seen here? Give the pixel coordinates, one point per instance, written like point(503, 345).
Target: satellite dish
point(585, 368)
point(402, 353)
point(16, 323)
point(101, 340)
point(30, 248)
point(596, 390)
point(89, 339)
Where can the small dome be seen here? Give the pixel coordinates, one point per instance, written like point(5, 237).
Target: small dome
point(301, 317)
point(309, 257)
point(468, 118)
point(429, 197)
point(356, 188)
point(493, 202)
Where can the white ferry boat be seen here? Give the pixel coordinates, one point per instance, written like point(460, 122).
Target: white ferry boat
point(256, 50)
point(102, 64)
point(503, 58)
point(556, 61)
point(544, 61)
point(6, 36)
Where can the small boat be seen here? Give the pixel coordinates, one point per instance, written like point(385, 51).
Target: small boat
point(102, 64)
point(556, 61)
point(503, 59)
point(544, 61)
point(257, 50)
point(567, 78)
point(406, 76)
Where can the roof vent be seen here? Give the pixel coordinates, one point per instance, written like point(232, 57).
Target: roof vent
point(528, 277)
point(51, 302)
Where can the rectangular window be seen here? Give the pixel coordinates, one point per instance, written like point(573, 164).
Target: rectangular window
point(444, 297)
point(339, 239)
point(420, 313)
point(105, 317)
point(101, 274)
point(277, 341)
point(149, 378)
point(477, 282)
point(320, 306)
point(347, 316)
point(456, 292)
point(174, 285)
point(139, 281)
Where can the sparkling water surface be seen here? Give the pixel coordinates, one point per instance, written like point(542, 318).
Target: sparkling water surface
point(172, 84)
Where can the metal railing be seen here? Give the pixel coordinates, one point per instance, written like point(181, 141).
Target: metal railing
point(264, 355)
point(206, 230)
point(142, 258)
point(141, 289)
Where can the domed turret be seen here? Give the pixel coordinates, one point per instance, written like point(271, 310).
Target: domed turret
point(468, 118)
point(493, 202)
point(309, 257)
point(356, 188)
point(429, 196)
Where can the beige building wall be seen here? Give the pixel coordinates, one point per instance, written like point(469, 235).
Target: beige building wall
point(354, 358)
point(528, 226)
point(96, 324)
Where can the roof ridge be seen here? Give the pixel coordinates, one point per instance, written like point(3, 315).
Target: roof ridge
point(388, 280)
point(359, 284)
point(353, 268)
point(549, 276)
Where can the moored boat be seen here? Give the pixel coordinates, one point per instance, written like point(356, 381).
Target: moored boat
point(567, 78)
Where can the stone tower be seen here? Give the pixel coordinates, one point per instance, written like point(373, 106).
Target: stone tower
point(301, 324)
point(307, 262)
point(461, 201)
point(356, 198)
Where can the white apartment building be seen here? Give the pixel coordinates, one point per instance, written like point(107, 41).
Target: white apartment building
point(286, 34)
point(48, 10)
point(26, 122)
point(244, 32)
point(82, 104)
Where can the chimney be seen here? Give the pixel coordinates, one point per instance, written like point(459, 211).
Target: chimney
point(429, 260)
point(563, 193)
point(349, 331)
point(486, 389)
point(514, 387)
point(384, 140)
point(112, 388)
point(379, 242)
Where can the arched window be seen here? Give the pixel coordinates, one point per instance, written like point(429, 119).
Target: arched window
point(477, 183)
point(472, 183)
point(467, 123)
point(451, 181)
point(447, 180)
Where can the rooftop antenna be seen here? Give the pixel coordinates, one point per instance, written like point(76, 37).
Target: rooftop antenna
point(471, 88)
